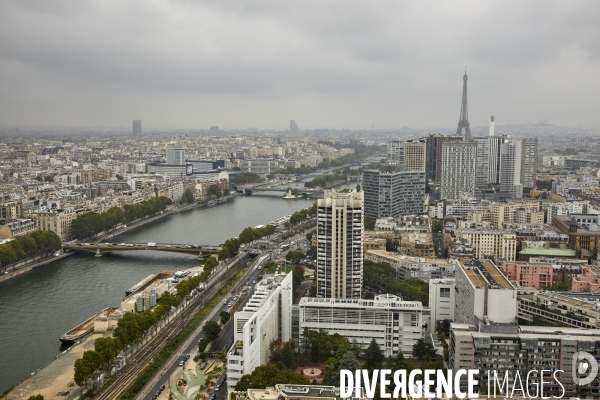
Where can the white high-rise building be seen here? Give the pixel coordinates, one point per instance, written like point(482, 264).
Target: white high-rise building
point(395, 152)
point(340, 245)
point(530, 161)
point(512, 157)
point(458, 169)
point(266, 317)
point(441, 299)
point(483, 292)
point(175, 156)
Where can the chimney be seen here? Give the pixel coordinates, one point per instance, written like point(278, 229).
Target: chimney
point(492, 126)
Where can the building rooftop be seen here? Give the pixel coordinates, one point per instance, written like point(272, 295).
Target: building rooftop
point(381, 301)
point(484, 273)
point(548, 252)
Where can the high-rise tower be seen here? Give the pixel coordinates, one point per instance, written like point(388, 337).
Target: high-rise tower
point(137, 127)
point(340, 245)
point(463, 123)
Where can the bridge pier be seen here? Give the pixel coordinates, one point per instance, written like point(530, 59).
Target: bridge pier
point(98, 253)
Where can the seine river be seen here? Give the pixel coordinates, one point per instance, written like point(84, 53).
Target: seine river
point(38, 307)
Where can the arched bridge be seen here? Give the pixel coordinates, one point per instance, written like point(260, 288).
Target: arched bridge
point(103, 248)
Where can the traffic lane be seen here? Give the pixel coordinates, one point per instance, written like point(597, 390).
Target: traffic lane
point(190, 349)
point(222, 342)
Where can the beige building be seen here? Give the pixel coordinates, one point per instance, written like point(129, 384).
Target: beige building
point(491, 243)
point(340, 245)
point(415, 156)
point(417, 244)
point(58, 221)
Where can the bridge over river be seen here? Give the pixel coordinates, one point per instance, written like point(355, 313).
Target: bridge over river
point(104, 248)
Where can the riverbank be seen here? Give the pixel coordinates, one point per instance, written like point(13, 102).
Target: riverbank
point(31, 265)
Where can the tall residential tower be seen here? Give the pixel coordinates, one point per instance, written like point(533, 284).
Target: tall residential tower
point(340, 245)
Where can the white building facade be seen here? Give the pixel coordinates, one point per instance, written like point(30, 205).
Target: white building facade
point(395, 324)
point(266, 317)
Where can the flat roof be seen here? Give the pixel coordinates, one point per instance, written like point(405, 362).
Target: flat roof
point(549, 252)
point(496, 274)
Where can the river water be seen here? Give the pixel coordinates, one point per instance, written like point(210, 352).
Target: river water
point(38, 307)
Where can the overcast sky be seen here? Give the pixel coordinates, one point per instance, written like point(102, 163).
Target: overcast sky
point(251, 63)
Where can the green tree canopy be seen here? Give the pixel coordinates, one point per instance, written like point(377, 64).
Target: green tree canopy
point(268, 376)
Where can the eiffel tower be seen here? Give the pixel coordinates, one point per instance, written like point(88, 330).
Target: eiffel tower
point(463, 123)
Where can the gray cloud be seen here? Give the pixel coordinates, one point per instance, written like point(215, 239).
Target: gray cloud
point(191, 64)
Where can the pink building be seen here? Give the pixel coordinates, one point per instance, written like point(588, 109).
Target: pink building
point(529, 275)
point(587, 281)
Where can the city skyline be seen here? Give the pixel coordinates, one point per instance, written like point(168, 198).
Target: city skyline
point(191, 65)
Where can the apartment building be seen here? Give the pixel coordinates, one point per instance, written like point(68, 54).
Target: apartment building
point(559, 308)
point(442, 294)
point(415, 157)
point(490, 243)
point(340, 245)
point(266, 317)
point(523, 349)
point(458, 169)
point(529, 275)
point(57, 221)
point(392, 191)
point(483, 292)
point(395, 324)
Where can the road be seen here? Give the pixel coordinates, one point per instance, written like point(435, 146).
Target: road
point(191, 345)
point(438, 240)
point(225, 339)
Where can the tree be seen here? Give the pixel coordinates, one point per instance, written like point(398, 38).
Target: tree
point(333, 366)
point(224, 317)
point(224, 254)
point(36, 397)
point(187, 197)
point(210, 263)
point(369, 223)
point(294, 256)
point(424, 351)
point(437, 226)
point(269, 376)
point(211, 329)
point(49, 179)
point(358, 187)
point(373, 356)
point(119, 177)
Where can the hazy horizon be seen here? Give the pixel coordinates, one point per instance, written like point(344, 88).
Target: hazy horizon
point(187, 64)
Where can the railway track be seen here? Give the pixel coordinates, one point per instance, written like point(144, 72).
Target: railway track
point(128, 376)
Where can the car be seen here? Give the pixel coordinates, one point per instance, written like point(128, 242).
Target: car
point(181, 363)
point(217, 388)
point(161, 388)
point(187, 357)
point(156, 395)
point(168, 246)
point(229, 304)
point(188, 247)
point(130, 245)
point(122, 244)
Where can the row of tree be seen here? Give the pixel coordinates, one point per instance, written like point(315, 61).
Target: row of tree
point(246, 177)
point(133, 328)
point(90, 224)
point(38, 243)
point(303, 215)
point(322, 181)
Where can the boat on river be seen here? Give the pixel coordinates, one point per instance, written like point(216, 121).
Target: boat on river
point(84, 328)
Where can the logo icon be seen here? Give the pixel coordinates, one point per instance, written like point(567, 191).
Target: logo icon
point(585, 368)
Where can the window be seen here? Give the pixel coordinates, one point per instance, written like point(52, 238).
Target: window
point(444, 292)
